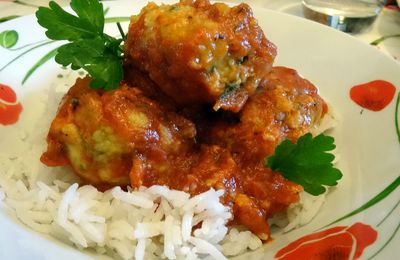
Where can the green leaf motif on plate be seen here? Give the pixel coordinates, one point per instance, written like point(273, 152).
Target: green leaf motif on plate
point(39, 63)
point(8, 38)
point(383, 194)
point(8, 18)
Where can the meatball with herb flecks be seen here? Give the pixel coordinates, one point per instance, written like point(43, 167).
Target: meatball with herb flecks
point(200, 53)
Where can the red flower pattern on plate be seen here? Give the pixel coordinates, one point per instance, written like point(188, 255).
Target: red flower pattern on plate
point(374, 95)
point(10, 109)
point(336, 243)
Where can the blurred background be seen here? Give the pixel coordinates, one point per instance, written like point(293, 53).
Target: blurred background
point(384, 33)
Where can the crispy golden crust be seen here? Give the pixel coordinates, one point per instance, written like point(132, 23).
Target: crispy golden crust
point(201, 53)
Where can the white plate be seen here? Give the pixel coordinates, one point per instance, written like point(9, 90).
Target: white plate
point(366, 140)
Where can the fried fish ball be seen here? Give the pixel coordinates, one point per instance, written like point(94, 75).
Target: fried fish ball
point(98, 134)
point(285, 106)
point(200, 53)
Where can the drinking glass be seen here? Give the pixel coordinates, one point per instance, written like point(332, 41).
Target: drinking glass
point(352, 16)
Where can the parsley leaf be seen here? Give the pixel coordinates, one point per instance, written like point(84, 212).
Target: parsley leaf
point(61, 25)
point(80, 53)
point(89, 48)
point(90, 12)
point(307, 162)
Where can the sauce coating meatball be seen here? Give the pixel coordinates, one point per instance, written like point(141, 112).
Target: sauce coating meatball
point(285, 106)
point(123, 138)
point(152, 130)
point(100, 134)
point(197, 52)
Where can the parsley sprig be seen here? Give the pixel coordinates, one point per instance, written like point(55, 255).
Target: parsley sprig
point(89, 47)
point(307, 162)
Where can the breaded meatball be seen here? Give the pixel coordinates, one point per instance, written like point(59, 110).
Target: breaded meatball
point(100, 134)
point(285, 106)
point(200, 53)
point(123, 137)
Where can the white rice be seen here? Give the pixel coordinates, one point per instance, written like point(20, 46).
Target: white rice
point(147, 223)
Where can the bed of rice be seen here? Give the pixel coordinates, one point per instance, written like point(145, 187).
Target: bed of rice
point(147, 223)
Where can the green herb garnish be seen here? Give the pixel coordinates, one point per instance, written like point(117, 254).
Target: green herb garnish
point(89, 47)
point(229, 88)
point(307, 162)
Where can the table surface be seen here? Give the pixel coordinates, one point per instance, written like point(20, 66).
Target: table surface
point(387, 23)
